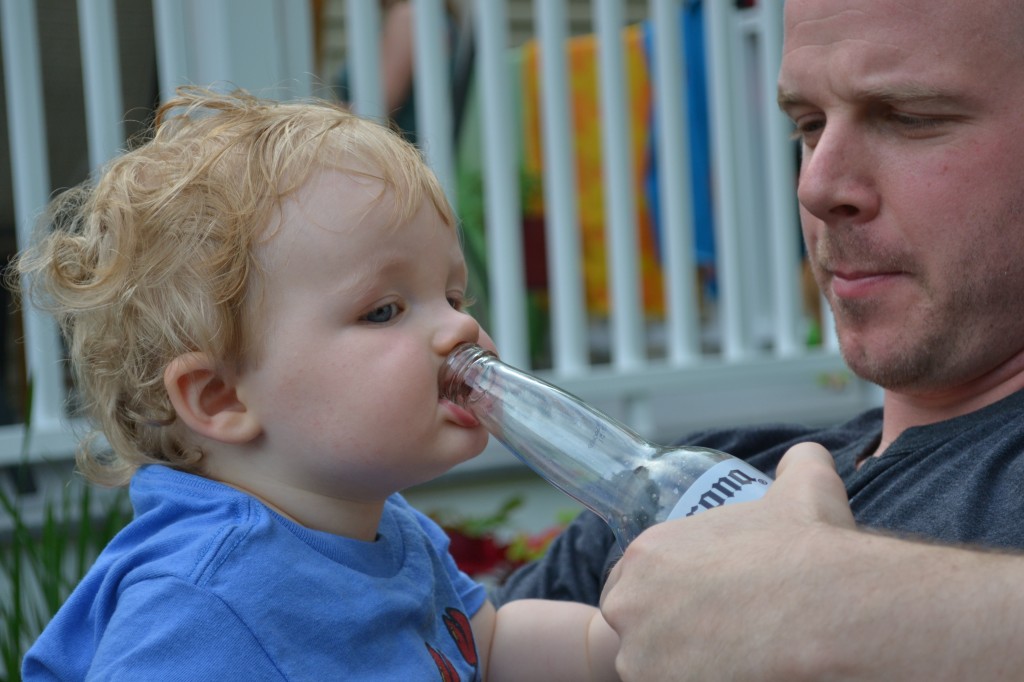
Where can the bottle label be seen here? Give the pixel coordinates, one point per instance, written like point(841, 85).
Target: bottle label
point(732, 480)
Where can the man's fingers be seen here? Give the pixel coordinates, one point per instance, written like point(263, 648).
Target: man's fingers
point(805, 453)
point(806, 489)
point(613, 577)
point(806, 477)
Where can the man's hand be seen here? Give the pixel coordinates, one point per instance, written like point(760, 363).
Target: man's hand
point(712, 596)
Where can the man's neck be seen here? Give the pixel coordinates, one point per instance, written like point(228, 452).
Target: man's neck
point(903, 410)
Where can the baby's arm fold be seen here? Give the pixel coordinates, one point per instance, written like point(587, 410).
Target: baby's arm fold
point(535, 639)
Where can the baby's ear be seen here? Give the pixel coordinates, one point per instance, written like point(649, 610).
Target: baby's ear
point(207, 402)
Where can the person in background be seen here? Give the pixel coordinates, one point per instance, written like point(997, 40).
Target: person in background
point(257, 303)
point(890, 549)
point(397, 62)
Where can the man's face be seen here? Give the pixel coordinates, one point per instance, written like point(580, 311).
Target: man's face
point(911, 116)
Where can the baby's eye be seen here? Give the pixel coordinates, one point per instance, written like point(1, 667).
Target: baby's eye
point(381, 314)
point(459, 302)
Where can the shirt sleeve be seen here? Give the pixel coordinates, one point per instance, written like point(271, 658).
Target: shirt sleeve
point(166, 628)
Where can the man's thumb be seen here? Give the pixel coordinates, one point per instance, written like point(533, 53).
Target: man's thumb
point(806, 477)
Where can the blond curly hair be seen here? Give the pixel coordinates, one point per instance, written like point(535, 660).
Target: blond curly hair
point(157, 256)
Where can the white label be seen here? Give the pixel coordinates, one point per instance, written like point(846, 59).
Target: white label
point(732, 480)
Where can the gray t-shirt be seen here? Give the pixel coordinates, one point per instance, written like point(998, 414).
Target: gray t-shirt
point(959, 481)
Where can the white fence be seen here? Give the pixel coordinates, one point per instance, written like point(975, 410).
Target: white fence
point(688, 361)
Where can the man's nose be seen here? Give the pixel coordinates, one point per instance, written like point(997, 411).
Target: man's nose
point(837, 180)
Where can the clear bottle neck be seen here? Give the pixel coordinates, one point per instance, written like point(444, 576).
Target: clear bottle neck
point(456, 378)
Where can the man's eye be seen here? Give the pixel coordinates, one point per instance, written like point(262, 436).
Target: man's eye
point(918, 123)
point(807, 130)
point(380, 314)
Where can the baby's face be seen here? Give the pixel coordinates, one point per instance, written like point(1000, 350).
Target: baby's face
point(357, 318)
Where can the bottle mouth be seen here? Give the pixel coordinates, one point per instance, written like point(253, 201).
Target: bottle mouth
point(452, 377)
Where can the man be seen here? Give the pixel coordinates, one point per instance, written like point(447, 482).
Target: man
point(911, 119)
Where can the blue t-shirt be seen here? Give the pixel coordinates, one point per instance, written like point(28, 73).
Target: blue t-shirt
point(208, 583)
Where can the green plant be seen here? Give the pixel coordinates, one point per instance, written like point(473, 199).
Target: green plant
point(42, 561)
point(478, 526)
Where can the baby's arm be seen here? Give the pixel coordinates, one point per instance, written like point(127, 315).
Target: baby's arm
point(534, 639)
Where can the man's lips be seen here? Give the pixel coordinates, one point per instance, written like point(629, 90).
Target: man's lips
point(860, 284)
point(459, 415)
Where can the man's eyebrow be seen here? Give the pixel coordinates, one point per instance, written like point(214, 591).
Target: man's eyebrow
point(908, 93)
point(788, 98)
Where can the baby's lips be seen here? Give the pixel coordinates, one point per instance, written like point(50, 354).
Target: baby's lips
point(461, 416)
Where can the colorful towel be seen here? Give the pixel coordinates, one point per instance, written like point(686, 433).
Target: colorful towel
point(584, 83)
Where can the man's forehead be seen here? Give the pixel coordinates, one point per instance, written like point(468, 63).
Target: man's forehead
point(889, 51)
point(895, 21)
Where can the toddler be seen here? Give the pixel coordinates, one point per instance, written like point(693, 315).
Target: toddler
point(257, 302)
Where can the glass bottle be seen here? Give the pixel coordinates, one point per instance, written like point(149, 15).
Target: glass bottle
point(627, 481)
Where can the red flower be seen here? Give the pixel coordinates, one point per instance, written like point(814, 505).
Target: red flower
point(475, 555)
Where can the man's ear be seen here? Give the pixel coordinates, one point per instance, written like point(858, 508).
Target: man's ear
point(207, 402)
